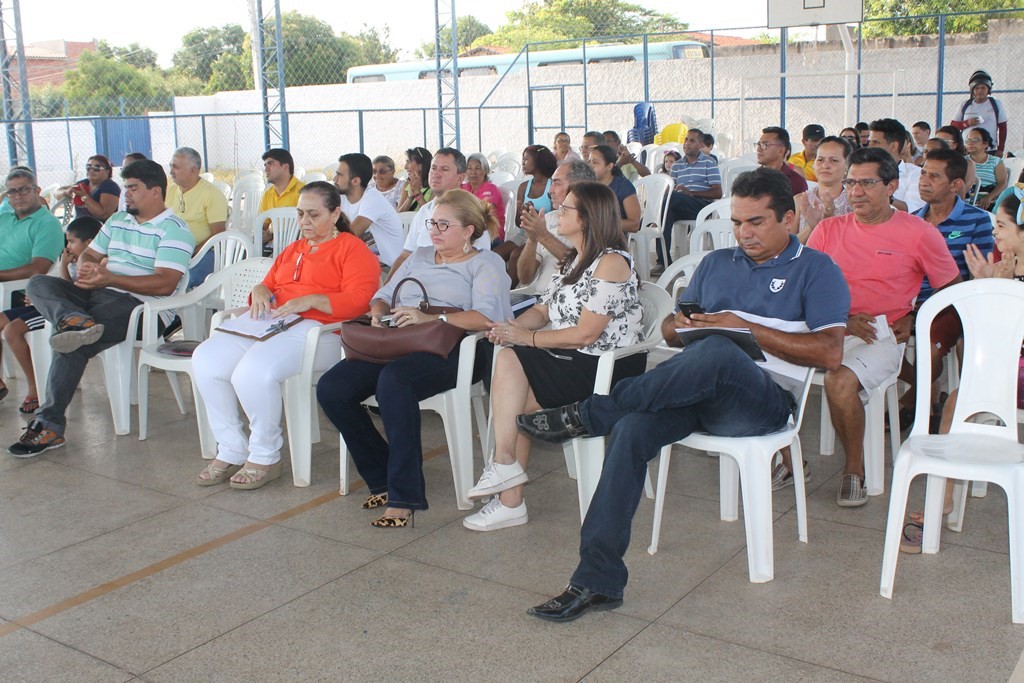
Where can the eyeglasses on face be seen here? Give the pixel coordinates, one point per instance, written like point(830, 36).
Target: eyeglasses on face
point(94, 167)
point(565, 207)
point(863, 183)
point(765, 144)
point(974, 141)
point(21, 191)
point(440, 226)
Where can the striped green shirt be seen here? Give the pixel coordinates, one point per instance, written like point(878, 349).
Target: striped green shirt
point(134, 248)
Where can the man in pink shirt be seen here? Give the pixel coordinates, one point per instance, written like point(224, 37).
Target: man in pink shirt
point(884, 255)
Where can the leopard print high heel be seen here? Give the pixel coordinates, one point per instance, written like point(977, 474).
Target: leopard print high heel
point(375, 500)
point(391, 522)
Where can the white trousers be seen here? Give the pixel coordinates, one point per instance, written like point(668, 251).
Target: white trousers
point(229, 370)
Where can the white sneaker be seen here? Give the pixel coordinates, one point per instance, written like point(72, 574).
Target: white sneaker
point(494, 516)
point(497, 478)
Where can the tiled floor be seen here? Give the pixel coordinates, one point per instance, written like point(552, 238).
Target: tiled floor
point(115, 566)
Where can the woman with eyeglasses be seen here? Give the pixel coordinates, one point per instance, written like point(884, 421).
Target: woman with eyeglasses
point(325, 276)
point(455, 275)
point(563, 150)
point(851, 136)
point(992, 174)
point(97, 194)
point(591, 305)
point(416, 191)
point(828, 197)
point(955, 139)
point(604, 161)
point(385, 181)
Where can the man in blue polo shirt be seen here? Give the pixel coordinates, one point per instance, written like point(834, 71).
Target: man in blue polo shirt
point(698, 183)
point(793, 299)
point(942, 177)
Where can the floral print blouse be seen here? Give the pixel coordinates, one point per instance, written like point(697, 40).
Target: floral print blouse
point(620, 300)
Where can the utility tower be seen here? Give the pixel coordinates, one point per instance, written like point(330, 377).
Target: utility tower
point(446, 51)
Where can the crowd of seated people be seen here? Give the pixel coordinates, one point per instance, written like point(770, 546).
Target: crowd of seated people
point(886, 221)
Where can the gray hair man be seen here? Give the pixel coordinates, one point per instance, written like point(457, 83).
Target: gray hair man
point(543, 248)
point(197, 202)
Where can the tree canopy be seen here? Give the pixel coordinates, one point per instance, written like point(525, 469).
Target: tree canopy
point(467, 29)
point(202, 47)
point(564, 20)
point(913, 19)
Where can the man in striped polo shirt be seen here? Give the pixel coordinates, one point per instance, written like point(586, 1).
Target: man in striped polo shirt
point(139, 254)
point(698, 183)
point(942, 177)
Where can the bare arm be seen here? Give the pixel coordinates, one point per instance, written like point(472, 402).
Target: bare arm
point(397, 264)
point(93, 274)
point(631, 223)
point(100, 210)
point(37, 266)
point(360, 225)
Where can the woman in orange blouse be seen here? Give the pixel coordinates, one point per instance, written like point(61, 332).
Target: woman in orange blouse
point(325, 276)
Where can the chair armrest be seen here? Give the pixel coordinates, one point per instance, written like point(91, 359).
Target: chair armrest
point(8, 288)
point(606, 362)
point(221, 316)
point(309, 353)
point(467, 358)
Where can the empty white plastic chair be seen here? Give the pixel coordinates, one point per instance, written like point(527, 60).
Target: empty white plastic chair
point(285, 225)
point(245, 204)
point(984, 450)
point(717, 231)
point(653, 192)
point(746, 463)
point(313, 177)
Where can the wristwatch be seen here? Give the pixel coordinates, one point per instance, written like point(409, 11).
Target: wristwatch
point(443, 318)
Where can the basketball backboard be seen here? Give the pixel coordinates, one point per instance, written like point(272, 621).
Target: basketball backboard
point(786, 13)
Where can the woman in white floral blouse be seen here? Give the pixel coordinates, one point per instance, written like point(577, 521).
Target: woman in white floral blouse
point(590, 306)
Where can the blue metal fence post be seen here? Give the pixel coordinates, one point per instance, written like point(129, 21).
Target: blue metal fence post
point(712, 74)
point(206, 156)
point(67, 122)
point(783, 39)
point(359, 114)
point(647, 72)
point(940, 83)
point(860, 57)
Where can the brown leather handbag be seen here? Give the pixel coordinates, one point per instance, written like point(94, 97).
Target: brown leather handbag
point(381, 345)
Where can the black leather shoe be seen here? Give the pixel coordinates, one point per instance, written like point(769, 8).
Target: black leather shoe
point(553, 425)
point(573, 604)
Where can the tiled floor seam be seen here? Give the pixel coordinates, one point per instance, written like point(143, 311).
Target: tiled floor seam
point(81, 651)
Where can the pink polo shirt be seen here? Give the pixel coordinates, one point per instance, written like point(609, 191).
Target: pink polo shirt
point(885, 264)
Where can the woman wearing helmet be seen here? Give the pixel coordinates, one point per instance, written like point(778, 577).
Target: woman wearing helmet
point(983, 110)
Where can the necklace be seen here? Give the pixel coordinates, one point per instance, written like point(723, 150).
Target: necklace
point(456, 259)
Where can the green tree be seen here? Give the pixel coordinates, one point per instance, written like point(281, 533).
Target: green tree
point(204, 46)
point(467, 29)
point(101, 85)
point(571, 20)
point(913, 23)
point(47, 102)
point(376, 44)
point(133, 55)
point(231, 72)
point(313, 54)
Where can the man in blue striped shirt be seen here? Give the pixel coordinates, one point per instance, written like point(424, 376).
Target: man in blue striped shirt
point(698, 183)
point(960, 224)
point(139, 254)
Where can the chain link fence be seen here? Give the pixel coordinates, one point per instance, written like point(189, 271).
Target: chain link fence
point(911, 67)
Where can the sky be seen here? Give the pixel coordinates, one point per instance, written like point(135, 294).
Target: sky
point(411, 22)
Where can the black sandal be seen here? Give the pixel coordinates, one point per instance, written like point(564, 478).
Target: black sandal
point(29, 405)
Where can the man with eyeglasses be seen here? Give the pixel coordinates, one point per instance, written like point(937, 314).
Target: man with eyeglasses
point(890, 135)
point(201, 205)
point(138, 255)
point(447, 171)
point(884, 255)
point(591, 139)
point(30, 236)
point(772, 151)
point(544, 248)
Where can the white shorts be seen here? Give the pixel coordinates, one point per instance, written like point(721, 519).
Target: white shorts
point(872, 363)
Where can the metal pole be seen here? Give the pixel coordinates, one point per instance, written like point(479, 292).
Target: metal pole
point(783, 39)
point(67, 123)
point(647, 73)
point(586, 99)
point(5, 75)
point(206, 155)
point(712, 74)
point(359, 119)
point(26, 107)
point(860, 61)
point(940, 81)
point(281, 85)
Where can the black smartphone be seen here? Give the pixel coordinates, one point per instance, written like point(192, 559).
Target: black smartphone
point(688, 308)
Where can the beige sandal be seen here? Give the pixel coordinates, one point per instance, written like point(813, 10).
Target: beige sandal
point(216, 474)
point(255, 477)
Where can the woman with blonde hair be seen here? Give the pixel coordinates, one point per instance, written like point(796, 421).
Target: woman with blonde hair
point(455, 275)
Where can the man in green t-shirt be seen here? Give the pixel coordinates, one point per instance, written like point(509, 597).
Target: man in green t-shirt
point(139, 254)
point(30, 236)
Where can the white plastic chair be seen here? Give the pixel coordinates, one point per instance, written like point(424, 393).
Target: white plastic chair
point(588, 453)
point(653, 192)
point(973, 450)
point(676, 278)
point(224, 188)
point(718, 230)
point(748, 465)
point(499, 178)
point(208, 177)
point(285, 224)
point(229, 286)
point(228, 247)
point(313, 177)
point(681, 230)
point(508, 162)
point(496, 154)
point(118, 367)
point(735, 169)
point(245, 204)
point(454, 406)
point(406, 218)
point(509, 197)
point(8, 363)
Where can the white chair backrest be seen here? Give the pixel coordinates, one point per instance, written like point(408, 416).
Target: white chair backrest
point(1014, 166)
point(208, 177)
point(313, 177)
point(653, 192)
point(285, 224)
point(657, 304)
point(47, 193)
point(224, 188)
point(634, 147)
point(499, 178)
point(811, 184)
point(240, 278)
point(988, 380)
point(228, 247)
point(511, 186)
point(720, 208)
point(245, 204)
point(299, 171)
point(510, 213)
point(245, 176)
point(677, 276)
point(740, 166)
point(654, 159)
point(406, 218)
point(510, 163)
point(496, 154)
point(718, 230)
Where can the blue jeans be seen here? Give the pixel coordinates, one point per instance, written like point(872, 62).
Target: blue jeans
point(395, 465)
point(55, 299)
point(198, 273)
point(713, 387)
point(681, 207)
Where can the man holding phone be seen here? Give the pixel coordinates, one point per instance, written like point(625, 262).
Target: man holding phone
point(795, 303)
